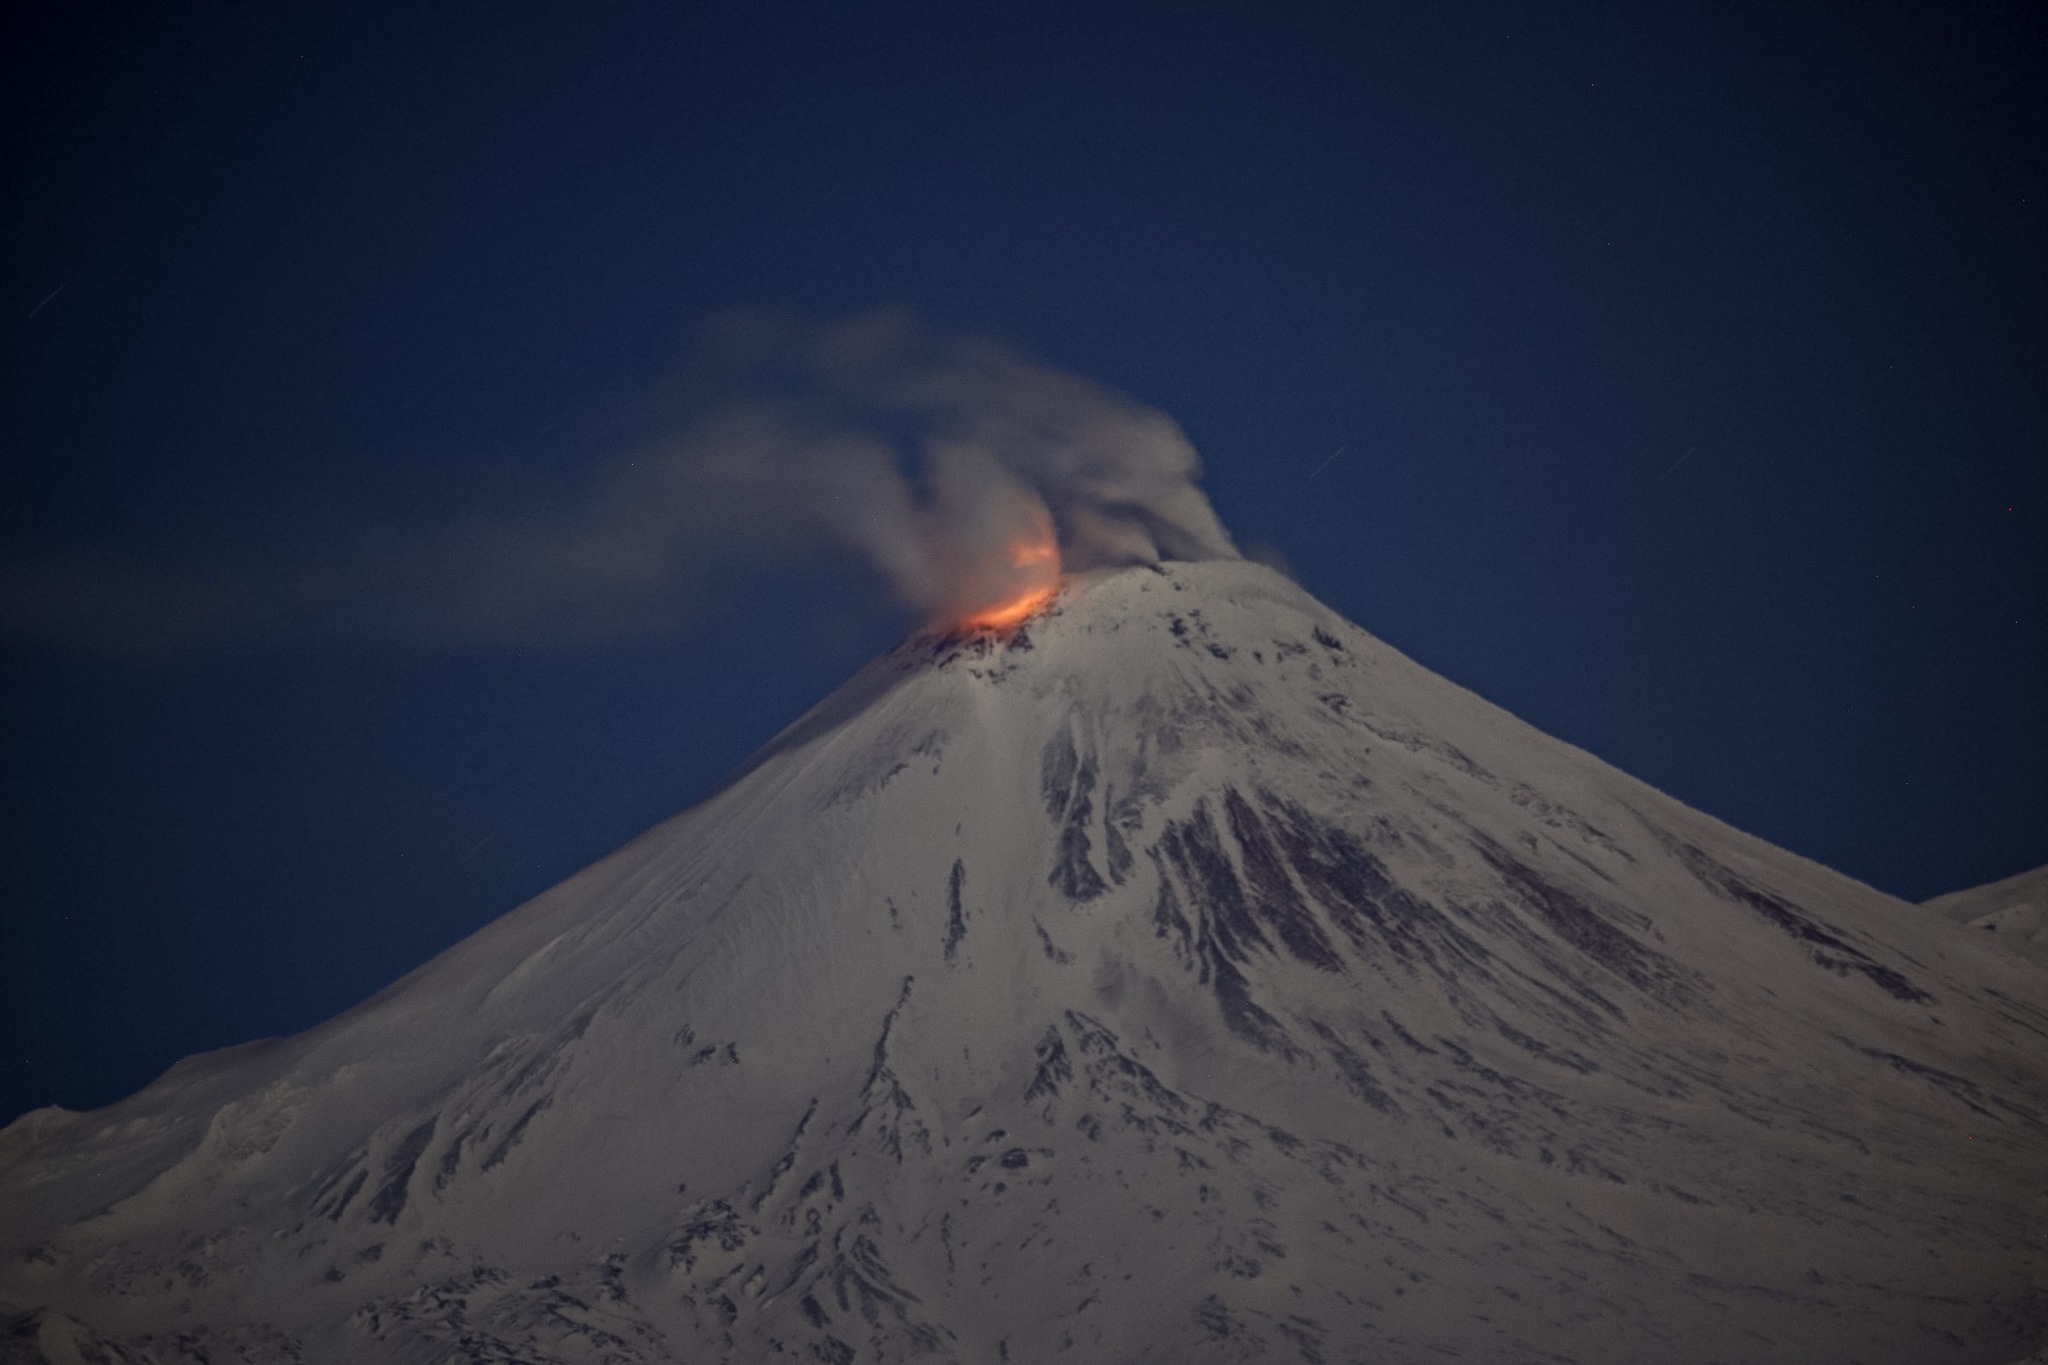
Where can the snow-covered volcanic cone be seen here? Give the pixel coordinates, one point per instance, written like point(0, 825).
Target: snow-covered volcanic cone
point(1186, 977)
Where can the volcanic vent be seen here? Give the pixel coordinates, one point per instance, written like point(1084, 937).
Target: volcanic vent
point(1185, 976)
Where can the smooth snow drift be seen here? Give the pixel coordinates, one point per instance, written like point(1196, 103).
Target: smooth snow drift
point(1188, 977)
point(2015, 909)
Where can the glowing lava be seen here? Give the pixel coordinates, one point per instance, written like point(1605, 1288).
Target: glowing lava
point(1033, 575)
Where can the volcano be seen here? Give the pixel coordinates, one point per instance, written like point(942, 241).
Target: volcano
point(1185, 976)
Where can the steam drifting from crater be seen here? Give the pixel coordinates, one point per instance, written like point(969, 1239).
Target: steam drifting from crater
point(938, 461)
point(931, 456)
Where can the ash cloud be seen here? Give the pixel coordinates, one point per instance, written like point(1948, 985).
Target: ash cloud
point(916, 454)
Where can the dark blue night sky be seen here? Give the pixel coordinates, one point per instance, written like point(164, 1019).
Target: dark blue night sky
point(1689, 365)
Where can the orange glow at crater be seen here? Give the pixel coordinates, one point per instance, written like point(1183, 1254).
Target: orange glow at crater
point(1013, 612)
point(1033, 576)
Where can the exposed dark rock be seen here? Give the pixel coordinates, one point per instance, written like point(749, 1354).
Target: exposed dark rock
point(389, 1201)
point(956, 911)
point(1824, 944)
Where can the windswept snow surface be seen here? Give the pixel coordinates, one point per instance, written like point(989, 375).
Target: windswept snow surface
point(1189, 977)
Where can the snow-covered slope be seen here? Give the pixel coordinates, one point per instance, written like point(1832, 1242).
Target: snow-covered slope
point(1189, 977)
point(2015, 909)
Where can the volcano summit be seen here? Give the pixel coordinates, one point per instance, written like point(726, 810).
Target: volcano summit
point(1184, 977)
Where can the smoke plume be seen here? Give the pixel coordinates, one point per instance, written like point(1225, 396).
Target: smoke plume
point(928, 458)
